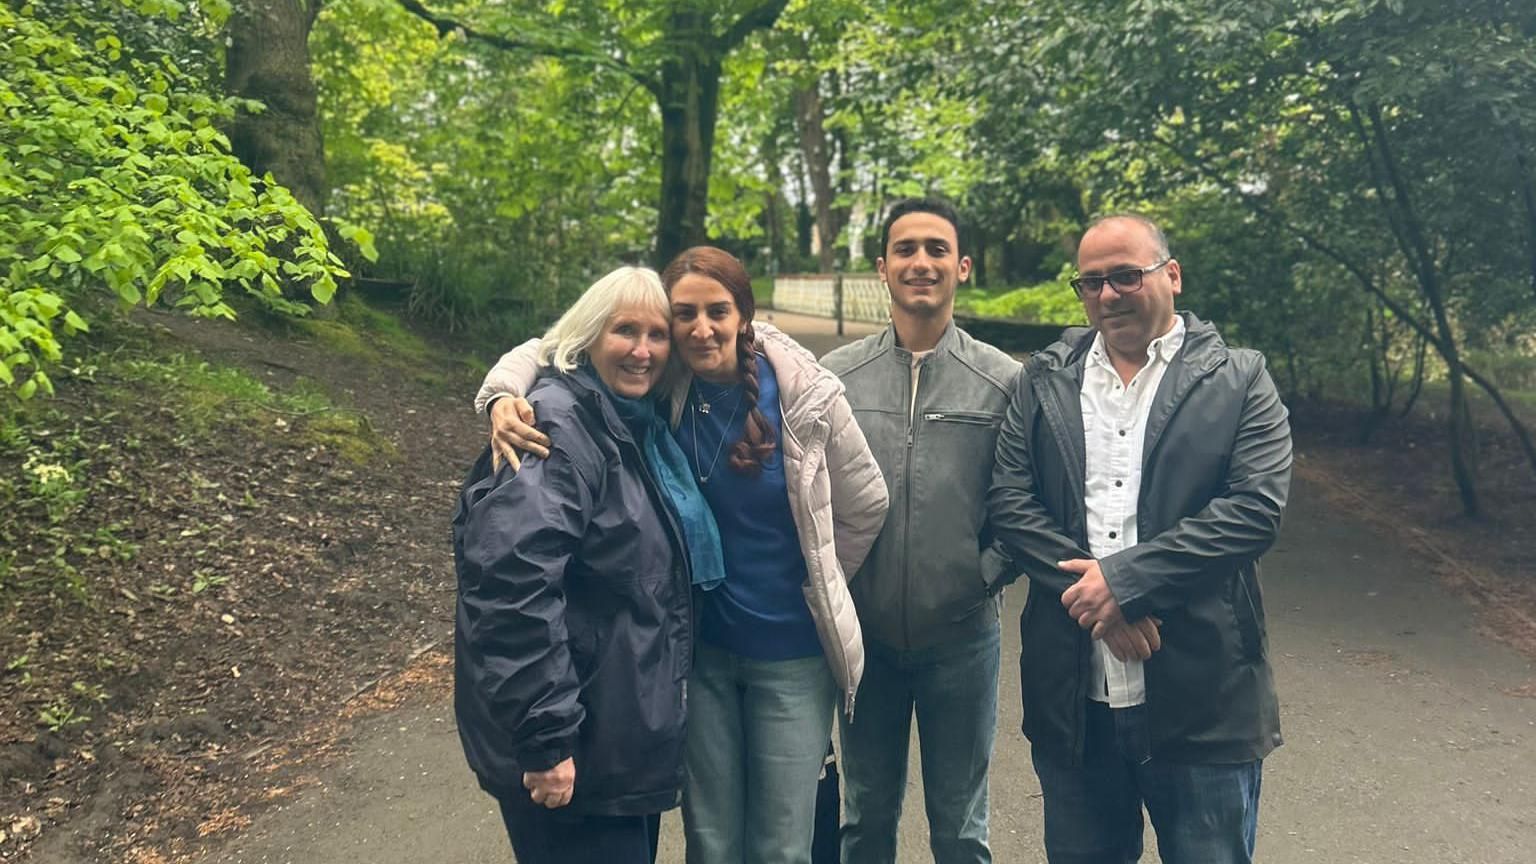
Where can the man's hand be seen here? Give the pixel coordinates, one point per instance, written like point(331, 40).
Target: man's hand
point(1133, 641)
point(552, 788)
point(1090, 602)
point(512, 431)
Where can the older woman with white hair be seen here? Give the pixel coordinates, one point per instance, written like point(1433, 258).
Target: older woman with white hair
point(573, 634)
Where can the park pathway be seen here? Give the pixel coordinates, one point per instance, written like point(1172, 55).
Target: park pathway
point(1410, 735)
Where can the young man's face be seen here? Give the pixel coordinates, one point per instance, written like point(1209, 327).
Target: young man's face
point(922, 264)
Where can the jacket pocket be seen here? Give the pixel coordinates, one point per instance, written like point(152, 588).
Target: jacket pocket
point(1248, 609)
point(970, 418)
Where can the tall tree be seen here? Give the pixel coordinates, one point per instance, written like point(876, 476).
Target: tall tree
point(268, 61)
point(676, 50)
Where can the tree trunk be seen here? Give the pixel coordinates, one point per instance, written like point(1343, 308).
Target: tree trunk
point(1415, 248)
point(1528, 195)
point(268, 60)
point(810, 116)
point(689, 99)
point(1417, 385)
point(1380, 401)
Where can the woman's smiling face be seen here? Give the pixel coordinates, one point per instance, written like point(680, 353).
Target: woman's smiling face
point(705, 326)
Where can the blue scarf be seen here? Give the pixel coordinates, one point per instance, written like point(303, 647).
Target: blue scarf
point(671, 471)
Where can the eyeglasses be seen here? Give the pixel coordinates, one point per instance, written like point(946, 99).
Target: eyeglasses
point(1125, 281)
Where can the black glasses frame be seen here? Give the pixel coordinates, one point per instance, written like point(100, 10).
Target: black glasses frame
point(1127, 281)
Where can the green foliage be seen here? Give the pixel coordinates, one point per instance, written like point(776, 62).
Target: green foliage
point(59, 715)
point(1045, 303)
point(367, 333)
point(496, 186)
point(117, 186)
point(762, 292)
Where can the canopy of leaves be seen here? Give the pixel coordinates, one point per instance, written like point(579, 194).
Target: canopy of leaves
point(116, 185)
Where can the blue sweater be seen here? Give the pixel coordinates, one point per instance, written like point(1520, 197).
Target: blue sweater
point(759, 611)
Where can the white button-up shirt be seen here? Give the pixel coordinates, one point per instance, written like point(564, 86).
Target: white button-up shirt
point(1114, 430)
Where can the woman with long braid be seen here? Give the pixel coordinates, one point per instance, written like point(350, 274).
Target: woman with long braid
point(798, 499)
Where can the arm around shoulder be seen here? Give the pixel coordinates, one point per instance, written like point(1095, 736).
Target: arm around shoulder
point(513, 375)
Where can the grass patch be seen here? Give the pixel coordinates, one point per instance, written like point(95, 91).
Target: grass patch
point(367, 333)
point(207, 395)
point(350, 435)
point(762, 292)
point(1044, 303)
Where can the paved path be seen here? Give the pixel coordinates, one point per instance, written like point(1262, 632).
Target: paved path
point(1404, 741)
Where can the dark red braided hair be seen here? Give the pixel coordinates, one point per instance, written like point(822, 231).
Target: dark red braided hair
point(757, 440)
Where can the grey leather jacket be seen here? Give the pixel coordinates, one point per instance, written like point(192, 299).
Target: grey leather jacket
point(1216, 473)
point(931, 576)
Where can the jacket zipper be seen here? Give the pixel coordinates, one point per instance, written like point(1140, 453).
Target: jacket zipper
point(915, 381)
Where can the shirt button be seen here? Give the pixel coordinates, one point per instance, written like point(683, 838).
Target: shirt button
point(1118, 484)
point(1112, 535)
point(1122, 433)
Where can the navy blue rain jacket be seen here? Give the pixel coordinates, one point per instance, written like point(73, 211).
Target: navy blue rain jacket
point(573, 631)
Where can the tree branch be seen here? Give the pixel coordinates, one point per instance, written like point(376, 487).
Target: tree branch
point(758, 18)
point(446, 26)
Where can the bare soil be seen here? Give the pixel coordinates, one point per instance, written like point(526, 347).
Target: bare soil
point(328, 576)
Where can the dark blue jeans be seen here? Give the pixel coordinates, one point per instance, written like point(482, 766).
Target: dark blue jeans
point(1202, 814)
point(543, 836)
point(952, 690)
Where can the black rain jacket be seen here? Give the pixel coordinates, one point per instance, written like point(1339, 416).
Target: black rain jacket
point(1216, 474)
point(573, 632)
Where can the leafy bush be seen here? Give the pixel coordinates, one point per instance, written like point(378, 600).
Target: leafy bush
point(116, 184)
point(1045, 303)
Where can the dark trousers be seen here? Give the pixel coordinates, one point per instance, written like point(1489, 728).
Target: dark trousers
point(1202, 814)
point(544, 836)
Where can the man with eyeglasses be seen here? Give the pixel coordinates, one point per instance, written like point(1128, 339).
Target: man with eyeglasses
point(1142, 469)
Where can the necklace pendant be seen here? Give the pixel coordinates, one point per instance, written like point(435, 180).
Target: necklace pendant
point(703, 407)
point(703, 479)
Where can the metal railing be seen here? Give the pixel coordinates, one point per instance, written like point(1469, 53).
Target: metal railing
point(844, 296)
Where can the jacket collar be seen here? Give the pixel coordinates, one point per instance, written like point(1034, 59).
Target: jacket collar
point(945, 345)
point(1203, 345)
point(588, 389)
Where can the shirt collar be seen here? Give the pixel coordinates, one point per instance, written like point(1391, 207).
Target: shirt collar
point(1162, 348)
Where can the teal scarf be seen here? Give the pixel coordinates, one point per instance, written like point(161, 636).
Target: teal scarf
point(671, 471)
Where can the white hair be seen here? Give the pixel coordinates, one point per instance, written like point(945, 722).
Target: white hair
point(565, 344)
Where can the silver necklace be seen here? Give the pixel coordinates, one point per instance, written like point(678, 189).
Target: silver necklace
point(702, 403)
point(702, 407)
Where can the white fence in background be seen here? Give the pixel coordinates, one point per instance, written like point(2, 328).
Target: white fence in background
point(864, 297)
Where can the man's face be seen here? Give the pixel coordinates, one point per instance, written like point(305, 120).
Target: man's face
point(1129, 322)
point(922, 264)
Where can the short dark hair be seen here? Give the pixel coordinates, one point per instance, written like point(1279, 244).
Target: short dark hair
point(1159, 239)
point(937, 206)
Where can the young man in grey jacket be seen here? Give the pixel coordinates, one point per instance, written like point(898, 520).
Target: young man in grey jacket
point(1141, 472)
point(929, 400)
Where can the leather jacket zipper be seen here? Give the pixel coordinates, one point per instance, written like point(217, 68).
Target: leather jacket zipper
point(906, 522)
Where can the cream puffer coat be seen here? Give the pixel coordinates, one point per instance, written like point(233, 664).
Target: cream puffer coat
point(836, 492)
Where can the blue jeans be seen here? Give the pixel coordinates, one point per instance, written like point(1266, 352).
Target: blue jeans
point(757, 738)
point(953, 690)
point(1202, 814)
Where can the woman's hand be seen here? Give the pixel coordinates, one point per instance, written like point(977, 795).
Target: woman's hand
point(512, 432)
point(552, 788)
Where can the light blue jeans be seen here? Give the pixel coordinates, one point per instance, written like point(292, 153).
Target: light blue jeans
point(952, 689)
point(757, 738)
